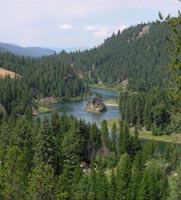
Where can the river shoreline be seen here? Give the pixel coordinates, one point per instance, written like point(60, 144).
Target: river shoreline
point(77, 107)
point(147, 135)
point(45, 106)
point(102, 86)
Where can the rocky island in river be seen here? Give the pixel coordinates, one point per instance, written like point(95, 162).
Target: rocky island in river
point(96, 105)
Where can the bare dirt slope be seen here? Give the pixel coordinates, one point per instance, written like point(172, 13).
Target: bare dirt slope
point(4, 72)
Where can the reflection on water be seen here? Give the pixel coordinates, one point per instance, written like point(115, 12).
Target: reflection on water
point(77, 108)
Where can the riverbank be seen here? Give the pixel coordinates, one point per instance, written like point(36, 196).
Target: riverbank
point(111, 102)
point(147, 135)
point(76, 107)
point(113, 87)
point(44, 104)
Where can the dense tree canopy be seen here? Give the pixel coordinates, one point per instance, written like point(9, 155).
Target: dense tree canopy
point(64, 158)
point(29, 168)
point(137, 54)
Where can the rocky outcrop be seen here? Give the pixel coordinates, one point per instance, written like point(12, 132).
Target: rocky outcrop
point(47, 100)
point(144, 30)
point(2, 109)
point(96, 105)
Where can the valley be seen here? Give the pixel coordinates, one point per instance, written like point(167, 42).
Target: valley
point(57, 144)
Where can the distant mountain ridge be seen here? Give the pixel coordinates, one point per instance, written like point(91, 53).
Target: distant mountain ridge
point(37, 51)
point(71, 49)
point(26, 51)
point(137, 55)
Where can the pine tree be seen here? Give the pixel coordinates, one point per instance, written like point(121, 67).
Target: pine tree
point(95, 140)
point(178, 186)
point(101, 183)
point(114, 138)
point(92, 184)
point(82, 189)
point(55, 123)
point(112, 187)
point(57, 137)
point(22, 137)
point(41, 185)
point(63, 184)
point(12, 173)
point(175, 66)
point(45, 145)
point(123, 176)
point(77, 175)
point(105, 140)
point(154, 183)
point(72, 146)
point(136, 176)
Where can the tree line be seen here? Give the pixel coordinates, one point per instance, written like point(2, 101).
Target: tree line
point(40, 159)
point(147, 109)
point(159, 108)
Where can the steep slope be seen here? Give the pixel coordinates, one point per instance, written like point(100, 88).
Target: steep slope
point(4, 72)
point(137, 54)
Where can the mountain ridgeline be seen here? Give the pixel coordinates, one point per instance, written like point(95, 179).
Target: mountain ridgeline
point(137, 54)
point(25, 51)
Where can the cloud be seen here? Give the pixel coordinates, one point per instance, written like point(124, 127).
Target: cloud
point(38, 22)
point(103, 31)
point(75, 9)
point(65, 26)
point(91, 28)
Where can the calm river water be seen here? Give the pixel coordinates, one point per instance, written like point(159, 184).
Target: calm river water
point(77, 108)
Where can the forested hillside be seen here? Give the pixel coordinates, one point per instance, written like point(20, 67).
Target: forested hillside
point(37, 78)
point(159, 108)
point(63, 158)
point(137, 54)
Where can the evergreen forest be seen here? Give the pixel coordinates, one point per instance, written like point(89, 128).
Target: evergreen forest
point(64, 158)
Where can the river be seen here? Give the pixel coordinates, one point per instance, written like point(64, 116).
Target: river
point(77, 108)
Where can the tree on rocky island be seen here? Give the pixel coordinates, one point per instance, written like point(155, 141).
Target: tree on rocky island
point(96, 105)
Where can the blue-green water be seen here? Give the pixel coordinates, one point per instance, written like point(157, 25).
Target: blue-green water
point(77, 108)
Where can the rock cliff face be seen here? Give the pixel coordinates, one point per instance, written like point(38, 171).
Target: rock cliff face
point(96, 105)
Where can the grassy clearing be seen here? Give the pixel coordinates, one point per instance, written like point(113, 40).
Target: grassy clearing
point(43, 109)
point(165, 138)
point(111, 102)
point(110, 122)
point(79, 98)
point(143, 134)
point(113, 87)
point(4, 72)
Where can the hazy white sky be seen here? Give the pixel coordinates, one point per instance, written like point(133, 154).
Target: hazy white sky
point(70, 23)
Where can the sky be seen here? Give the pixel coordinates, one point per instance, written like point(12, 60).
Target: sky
point(74, 23)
